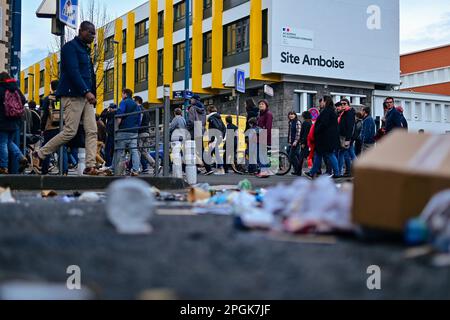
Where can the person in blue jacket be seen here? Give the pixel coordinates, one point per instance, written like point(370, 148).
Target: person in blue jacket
point(393, 117)
point(368, 130)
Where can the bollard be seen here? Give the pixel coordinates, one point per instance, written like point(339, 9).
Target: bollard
point(177, 164)
point(81, 161)
point(190, 158)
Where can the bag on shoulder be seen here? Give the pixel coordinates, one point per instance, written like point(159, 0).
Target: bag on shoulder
point(13, 104)
point(54, 111)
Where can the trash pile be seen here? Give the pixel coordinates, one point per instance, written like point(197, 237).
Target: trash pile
point(305, 207)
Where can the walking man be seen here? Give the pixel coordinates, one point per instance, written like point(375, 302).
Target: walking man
point(77, 89)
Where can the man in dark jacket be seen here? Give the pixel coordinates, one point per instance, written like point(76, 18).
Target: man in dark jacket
point(144, 141)
point(326, 136)
point(230, 156)
point(393, 117)
point(196, 114)
point(217, 130)
point(77, 89)
point(8, 127)
point(346, 123)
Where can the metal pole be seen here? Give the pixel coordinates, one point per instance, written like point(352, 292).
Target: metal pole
point(157, 141)
point(237, 119)
point(166, 130)
point(187, 54)
point(16, 42)
point(61, 113)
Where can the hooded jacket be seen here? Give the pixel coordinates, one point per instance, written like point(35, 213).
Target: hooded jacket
point(8, 124)
point(347, 123)
point(326, 133)
point(196, 112)
point(215, 122)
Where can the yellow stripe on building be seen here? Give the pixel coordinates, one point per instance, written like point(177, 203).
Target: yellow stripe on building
point(100, 69)
point(118, 60)
point(217, 45)
point(22, 81)
point(37, 80)
point(47, 75)
point(30, 84)
point(55, 69)
point(256, 43)
point(168, 44)
point(153, 53)
point(197, 46)
point(130, 50)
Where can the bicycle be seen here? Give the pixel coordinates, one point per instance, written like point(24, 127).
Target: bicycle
point(278, 160)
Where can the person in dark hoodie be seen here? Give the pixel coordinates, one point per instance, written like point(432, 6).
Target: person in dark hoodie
point(232, 133)
point(326, 138)
point(196, 113)
point(304, 132)
point(346, 121)
point(8, 127)
point(215, 123)
point(294, 130)
point(265, 122)
point(252, 111)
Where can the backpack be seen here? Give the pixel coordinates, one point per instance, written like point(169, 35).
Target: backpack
point(54, 111)
point(13, 104)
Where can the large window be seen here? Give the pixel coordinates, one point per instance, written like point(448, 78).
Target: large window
point(109, 47)
point(237, 37)
point(207, 47)
point(179, 11)
point(142, 29)
point(160, 67)
point(207, 4)
point(141, 69)
point(109, 81)
point(124, 41)
point(178, 57)
point(41, 79)
point(124, 75)
point(26, 85)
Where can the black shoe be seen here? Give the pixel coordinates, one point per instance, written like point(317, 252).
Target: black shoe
point(309, 175)
point(336, 177)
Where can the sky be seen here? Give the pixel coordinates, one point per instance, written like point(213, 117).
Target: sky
point(423, 24)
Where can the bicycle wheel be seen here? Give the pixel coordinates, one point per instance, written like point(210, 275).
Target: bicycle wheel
point(284, 165)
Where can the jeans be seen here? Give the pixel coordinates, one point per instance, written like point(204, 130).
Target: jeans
point(317, 164)
point(346, 156)
point(49, 135)
point(8, 149)
point(127, 140)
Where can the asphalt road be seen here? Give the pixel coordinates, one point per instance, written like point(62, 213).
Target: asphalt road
point(199, 257)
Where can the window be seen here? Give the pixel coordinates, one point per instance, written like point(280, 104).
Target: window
point(207, 4)
point(179, 11)
point(265, 42)
point(41, 79)
point(142, 29)
point(161, 24)
point(178, 57)
point(124, 75)
point(141, 69)
point(207, 47)
point(26, 85)
point(109, 46)
point(124, 41)
point(237, 37)
point(109, 81)
point(160, 62)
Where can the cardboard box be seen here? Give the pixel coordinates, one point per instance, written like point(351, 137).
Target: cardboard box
point(395, 180)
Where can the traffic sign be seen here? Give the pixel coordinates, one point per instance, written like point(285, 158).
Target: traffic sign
point(240, 80)
point(182, 94)
point(68, 12)
point(314, 113)
point(268, 90)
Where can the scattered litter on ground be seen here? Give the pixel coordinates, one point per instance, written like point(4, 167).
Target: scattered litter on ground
point(130, 205)
point(245, 185)
point(89, 197)
point(22, 290)
point(48, 193)
point(198, 194)
point(417, 252)
point(306, 239)
point(157, 294)
point(6, 196)
point(76, 212)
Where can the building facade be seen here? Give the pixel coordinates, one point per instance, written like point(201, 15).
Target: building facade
point(426, 71)
point(5, 48)
point(297, 47)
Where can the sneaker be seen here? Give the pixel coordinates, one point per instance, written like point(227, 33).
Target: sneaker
point(146, 171)
point(23, 164)
point(309, 175)
point(37, 162)
point(134, 174)
point(220, 172)
point(336, 176)
point(91, 172)
point(208, 173)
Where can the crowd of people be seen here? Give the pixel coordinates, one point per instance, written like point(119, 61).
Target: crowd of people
point(335, 138)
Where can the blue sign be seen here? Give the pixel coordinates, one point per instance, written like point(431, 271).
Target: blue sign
point(240, 81)
point(182, 94)
point(68, 12)
point(188, 94)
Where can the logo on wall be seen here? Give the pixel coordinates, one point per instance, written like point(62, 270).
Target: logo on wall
point(300, 38)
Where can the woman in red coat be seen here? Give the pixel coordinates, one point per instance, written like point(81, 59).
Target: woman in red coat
point(265, 122)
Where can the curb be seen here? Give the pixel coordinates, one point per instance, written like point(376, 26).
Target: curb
point(23, 182)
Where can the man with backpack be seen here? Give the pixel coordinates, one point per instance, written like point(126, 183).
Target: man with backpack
point(217, 132)
point(50, 124)
point(11, 112)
